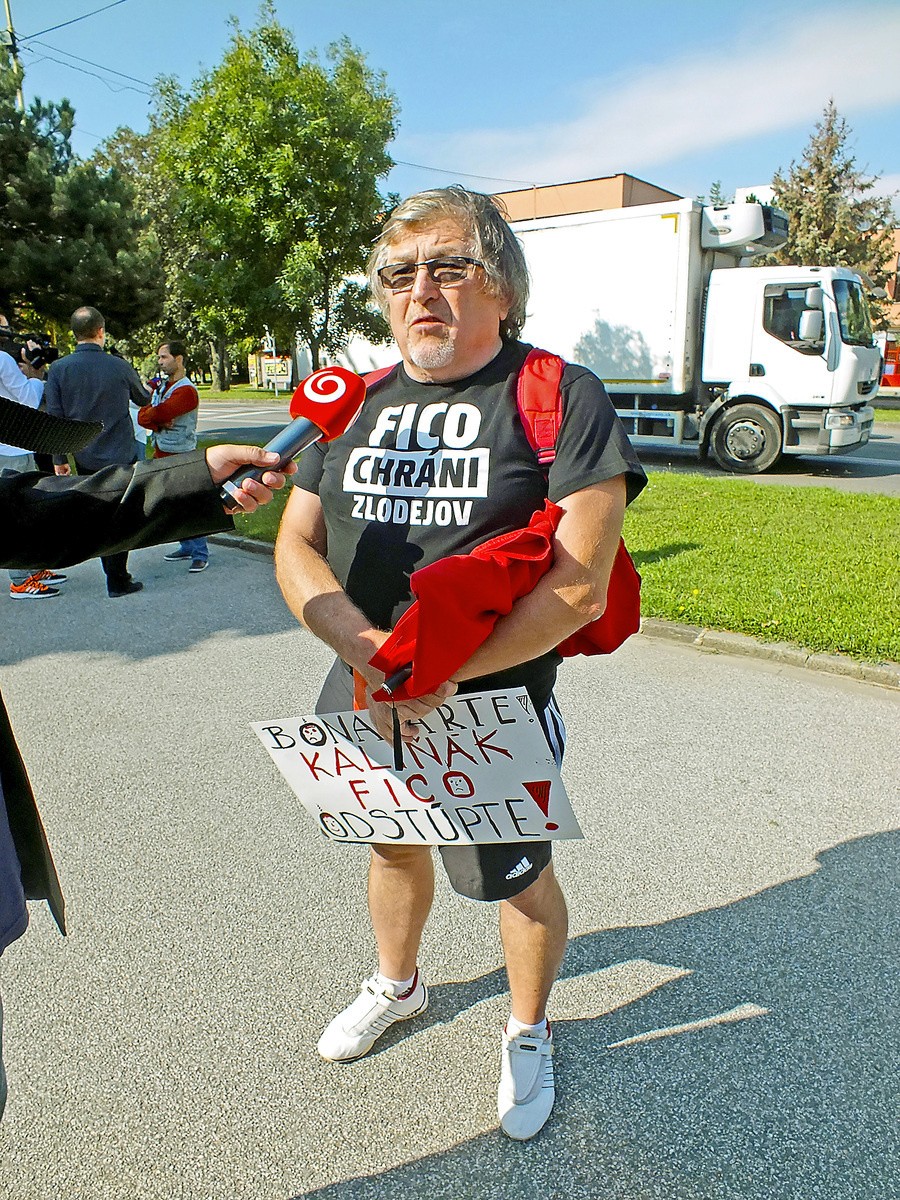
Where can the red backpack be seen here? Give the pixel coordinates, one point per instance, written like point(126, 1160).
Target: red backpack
point(539, 400)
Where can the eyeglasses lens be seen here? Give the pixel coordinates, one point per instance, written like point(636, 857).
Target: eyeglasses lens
point(400, 276)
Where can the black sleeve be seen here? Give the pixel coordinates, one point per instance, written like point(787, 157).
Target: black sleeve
point(309, 468)
point(592, 445)
point(54, 521)
point(139, 394)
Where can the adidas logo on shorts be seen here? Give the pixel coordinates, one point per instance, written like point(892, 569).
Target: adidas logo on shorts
point(519, 869)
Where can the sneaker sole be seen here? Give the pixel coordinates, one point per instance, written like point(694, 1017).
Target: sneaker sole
point(396, 1021)
point(34, 595)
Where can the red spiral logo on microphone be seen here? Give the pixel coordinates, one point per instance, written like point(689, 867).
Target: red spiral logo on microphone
point(325, 386)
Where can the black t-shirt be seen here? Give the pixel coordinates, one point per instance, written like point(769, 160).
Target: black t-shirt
point(433, 469)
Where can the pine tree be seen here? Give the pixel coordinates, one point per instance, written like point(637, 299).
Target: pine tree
point(69, 233)
point(836, 216)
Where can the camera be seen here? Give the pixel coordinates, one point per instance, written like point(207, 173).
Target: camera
point(41, 354)
point(34, 348)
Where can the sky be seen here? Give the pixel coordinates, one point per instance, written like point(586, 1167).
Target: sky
point(498, 95)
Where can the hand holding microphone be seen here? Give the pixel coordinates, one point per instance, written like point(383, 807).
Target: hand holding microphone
point(324, 406)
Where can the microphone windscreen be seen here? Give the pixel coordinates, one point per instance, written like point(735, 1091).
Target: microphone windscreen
point(331, 398)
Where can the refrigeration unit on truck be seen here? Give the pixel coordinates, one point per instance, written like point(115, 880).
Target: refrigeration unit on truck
point(695, 345)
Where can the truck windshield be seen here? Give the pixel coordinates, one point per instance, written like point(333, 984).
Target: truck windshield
point(853, 312)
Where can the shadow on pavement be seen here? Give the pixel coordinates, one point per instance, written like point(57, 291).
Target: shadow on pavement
point(796, 1103)
point(174, 612)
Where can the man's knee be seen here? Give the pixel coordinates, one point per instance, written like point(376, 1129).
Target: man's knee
point(540, 898)
point(410, 857)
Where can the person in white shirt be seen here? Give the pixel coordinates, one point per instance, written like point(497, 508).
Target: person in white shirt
point(22, 382)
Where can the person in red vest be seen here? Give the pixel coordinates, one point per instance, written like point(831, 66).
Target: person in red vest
point(437, 463)
point(171, 418)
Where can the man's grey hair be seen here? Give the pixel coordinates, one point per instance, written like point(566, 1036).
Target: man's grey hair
point(483, 221)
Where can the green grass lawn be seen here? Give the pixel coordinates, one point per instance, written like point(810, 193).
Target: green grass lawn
point(808, 565)
point(887, 414)
point(242, 392)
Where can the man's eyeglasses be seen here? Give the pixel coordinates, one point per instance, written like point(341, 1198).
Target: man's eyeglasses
point(400, 277)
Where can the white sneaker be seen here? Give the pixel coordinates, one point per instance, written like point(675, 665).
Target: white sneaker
point(354, 1031)
point(526, 1092)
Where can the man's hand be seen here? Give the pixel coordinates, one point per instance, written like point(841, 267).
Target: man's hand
point(225, 460)
point(62, 469)
point(408, 712)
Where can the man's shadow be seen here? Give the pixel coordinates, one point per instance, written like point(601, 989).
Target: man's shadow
point(747, 1051)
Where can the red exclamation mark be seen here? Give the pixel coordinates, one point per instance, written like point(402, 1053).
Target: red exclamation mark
point(539, 791)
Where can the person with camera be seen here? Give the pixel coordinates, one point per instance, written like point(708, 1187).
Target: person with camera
point(22, 365)
point(91, 385)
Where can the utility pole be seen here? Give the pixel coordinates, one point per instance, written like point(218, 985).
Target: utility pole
point(10, 40)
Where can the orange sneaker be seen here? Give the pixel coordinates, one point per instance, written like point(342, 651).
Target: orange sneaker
point(32, 589)
point(51, 577)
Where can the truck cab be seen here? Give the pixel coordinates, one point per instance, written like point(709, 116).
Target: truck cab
point(789, 358)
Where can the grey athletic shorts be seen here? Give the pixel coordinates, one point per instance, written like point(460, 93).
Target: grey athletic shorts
point(492, 872)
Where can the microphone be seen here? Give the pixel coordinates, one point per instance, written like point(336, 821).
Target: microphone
point(324, 406)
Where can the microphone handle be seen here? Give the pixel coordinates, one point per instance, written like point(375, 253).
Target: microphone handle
point(287, 444)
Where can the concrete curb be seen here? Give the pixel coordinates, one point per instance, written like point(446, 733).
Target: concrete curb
point(236, 542)
point(717, 641)
point(712, 641)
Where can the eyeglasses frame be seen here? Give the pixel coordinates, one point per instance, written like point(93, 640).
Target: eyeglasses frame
point(428, 264)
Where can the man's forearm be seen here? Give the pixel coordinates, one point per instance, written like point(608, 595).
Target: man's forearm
point(538, 622)
point(315, 597)
point(571, 594)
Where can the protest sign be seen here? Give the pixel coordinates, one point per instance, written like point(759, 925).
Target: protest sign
point(480, 772)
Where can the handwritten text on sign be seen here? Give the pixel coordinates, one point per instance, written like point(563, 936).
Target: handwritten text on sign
point(481, 772)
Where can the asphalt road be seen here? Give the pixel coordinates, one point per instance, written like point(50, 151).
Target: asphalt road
point(726, 1020)
point(873, 468)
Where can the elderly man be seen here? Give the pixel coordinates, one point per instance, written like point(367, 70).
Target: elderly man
point(452, 280)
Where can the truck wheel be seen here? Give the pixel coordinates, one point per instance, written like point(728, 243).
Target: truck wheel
point(746, 439)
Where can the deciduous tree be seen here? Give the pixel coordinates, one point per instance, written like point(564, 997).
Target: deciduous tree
point(275, 163)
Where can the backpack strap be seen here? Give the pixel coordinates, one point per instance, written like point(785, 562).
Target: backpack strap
point(373, 377)
point(540, 403)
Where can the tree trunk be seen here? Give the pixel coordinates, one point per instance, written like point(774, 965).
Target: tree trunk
point(218, 365)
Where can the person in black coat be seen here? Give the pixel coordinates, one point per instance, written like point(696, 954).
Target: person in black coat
point(55, 521)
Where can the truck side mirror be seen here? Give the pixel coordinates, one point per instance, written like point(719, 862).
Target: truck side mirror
point(811, 323)
point(814, 298)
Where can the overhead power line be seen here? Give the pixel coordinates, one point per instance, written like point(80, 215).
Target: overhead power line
point(84, 16)
point(100, 66)
point(468, 175)
point(113, 87)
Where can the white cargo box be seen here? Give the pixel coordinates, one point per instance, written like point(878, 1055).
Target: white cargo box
point(618, 291)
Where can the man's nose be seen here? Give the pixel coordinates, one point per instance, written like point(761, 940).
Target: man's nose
point(424, 286)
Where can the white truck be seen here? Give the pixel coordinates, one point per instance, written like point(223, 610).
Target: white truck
point(697, 347)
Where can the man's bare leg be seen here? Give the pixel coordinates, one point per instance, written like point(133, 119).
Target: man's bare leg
point(534, 927)
point(401, 889)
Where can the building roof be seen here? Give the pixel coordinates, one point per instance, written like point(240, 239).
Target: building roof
point(583, 195)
